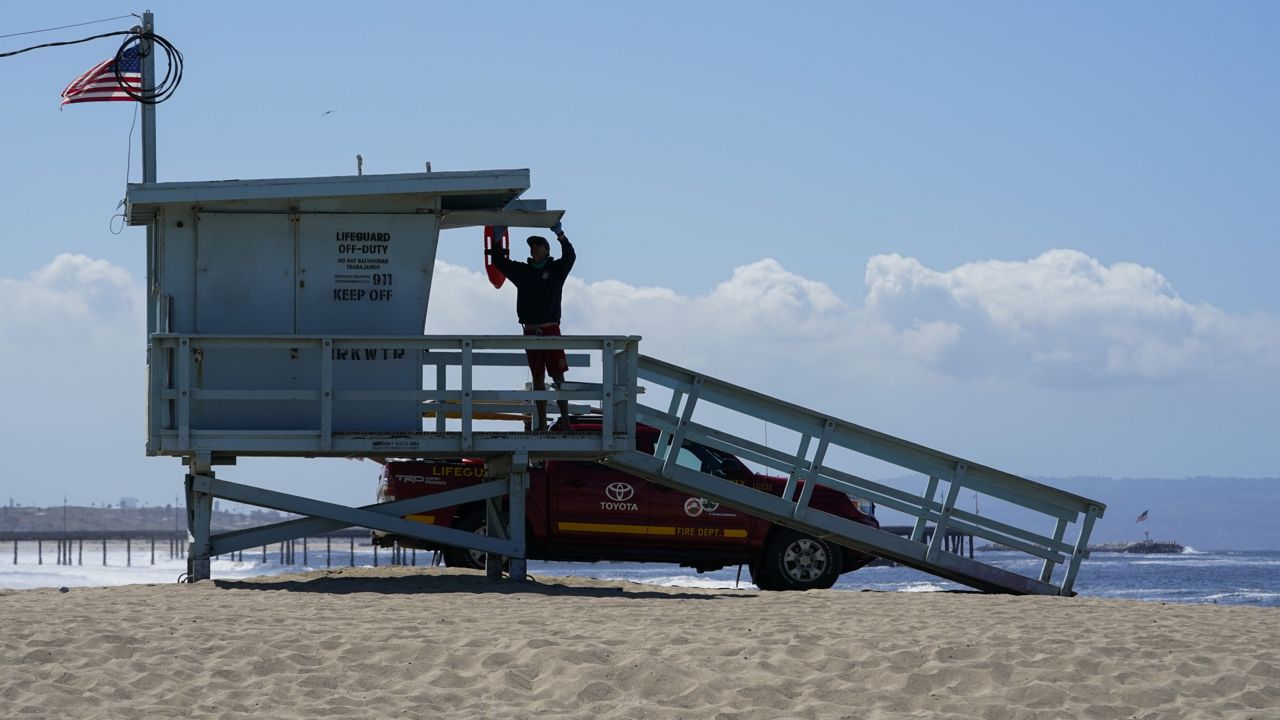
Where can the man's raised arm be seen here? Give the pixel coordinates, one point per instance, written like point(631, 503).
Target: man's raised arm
point(567, 254)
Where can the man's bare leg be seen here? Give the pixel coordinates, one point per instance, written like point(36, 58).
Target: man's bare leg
point(540, 422)
point(562, 404)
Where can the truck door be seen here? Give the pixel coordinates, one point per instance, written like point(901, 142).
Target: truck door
point(700, 522)
point(591, 503)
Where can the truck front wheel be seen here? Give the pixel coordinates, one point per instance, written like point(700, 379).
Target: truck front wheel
point(795, 561)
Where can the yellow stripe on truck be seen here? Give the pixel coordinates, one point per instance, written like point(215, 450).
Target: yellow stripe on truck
point(428, 519)
point(609, 528)
point(651, 530)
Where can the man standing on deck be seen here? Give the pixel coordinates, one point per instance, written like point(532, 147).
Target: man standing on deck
point(539, 284)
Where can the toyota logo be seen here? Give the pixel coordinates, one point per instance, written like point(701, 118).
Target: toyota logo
point(619, 491)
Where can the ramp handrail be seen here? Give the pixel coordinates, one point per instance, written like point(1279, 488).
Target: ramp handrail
point(691, 390)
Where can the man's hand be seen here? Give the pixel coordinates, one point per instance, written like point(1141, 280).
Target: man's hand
point(558, 229)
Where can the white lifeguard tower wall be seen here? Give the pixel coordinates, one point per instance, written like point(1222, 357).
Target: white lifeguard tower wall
point(311, 257)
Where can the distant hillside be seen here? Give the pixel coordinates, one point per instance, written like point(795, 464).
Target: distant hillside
point(147, 518)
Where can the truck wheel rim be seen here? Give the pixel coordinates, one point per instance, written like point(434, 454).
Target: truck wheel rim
point(805, 560)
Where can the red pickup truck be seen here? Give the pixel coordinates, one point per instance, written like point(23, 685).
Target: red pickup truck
point(585, 511)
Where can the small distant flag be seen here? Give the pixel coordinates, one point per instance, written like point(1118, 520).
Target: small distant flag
point(1142, 517)
point(99, 83)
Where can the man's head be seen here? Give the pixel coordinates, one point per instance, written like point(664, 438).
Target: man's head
point(539, 248)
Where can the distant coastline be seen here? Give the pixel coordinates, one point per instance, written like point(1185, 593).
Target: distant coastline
point(1143, 547)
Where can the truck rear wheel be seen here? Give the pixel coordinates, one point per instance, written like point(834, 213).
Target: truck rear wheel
point(795, 561)
point(473, 521)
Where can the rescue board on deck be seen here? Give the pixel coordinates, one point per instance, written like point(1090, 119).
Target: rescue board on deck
point(495, 236)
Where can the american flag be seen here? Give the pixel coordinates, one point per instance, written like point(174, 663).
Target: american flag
point(1141, 517)
point(99, 83)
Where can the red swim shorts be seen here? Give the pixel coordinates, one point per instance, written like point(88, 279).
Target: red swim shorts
point(544, 361)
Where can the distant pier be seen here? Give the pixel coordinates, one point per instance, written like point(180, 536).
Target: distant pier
point(140, 546)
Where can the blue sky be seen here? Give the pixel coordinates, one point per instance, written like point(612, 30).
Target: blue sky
point(1040, 236)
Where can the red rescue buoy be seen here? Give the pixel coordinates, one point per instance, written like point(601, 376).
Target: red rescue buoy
point(495, 235)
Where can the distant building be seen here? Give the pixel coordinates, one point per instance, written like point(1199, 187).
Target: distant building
point(128, 503)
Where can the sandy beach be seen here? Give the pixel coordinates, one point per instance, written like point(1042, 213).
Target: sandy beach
point(402, 642)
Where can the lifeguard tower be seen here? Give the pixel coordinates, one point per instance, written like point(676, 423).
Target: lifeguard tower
point(286, 318)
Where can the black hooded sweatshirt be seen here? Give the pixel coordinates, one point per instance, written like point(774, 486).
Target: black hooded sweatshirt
point(538, 289)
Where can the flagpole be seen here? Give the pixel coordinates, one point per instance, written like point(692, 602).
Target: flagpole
point(148, 109)
point(147, 48)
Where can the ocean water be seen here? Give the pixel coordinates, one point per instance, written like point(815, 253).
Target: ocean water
point(1228, 578)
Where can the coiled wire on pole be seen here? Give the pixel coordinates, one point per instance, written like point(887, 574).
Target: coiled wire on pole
point(164, 87)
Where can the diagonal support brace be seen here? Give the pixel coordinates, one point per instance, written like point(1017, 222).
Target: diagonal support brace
point(235, 540)
point(349, 515)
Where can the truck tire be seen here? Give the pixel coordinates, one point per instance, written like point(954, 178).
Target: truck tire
point(457, 557)
point(795, 561)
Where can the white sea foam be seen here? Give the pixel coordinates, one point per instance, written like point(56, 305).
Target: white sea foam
point(921, 587)
point(1135, 592)
point(690, 581)
point(30, 574)
point(1245, 596)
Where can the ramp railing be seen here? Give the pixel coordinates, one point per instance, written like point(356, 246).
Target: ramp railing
point(1058, 551)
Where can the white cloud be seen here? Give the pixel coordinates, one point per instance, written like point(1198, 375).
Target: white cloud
point(761, 326)
point(72, 383)
point(75, 300)
point(72, 340)
point(1062, 318)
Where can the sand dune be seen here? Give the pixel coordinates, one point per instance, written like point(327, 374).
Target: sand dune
point(400, 642)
